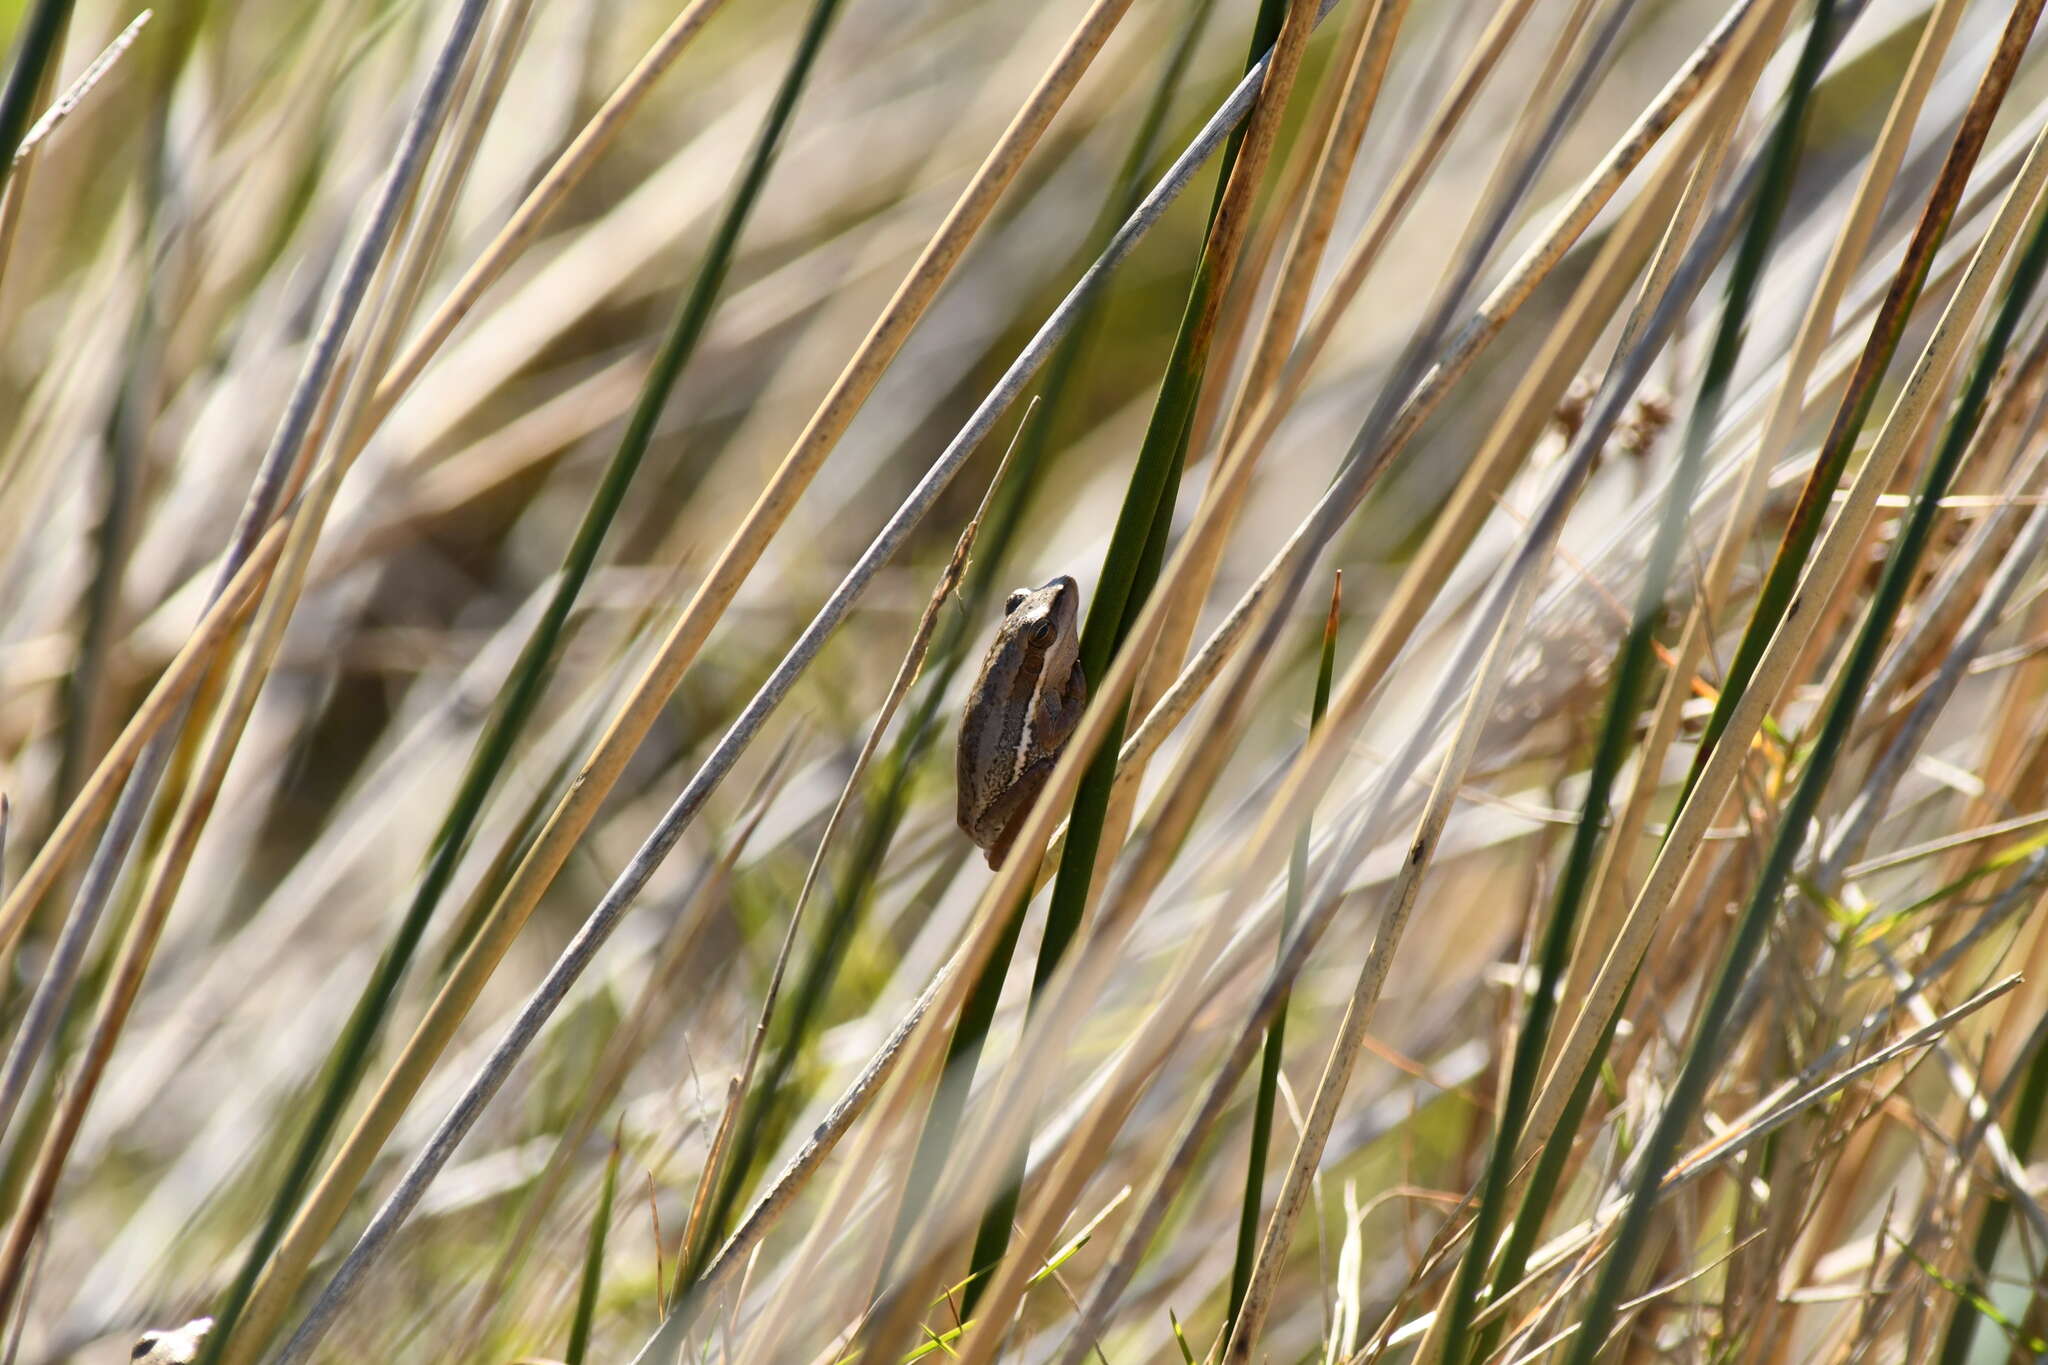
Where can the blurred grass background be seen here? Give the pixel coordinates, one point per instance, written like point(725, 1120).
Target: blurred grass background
point(1528, 898)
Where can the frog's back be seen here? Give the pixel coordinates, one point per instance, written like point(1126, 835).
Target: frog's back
point(990, 732)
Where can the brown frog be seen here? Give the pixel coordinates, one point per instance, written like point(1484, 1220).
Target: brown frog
point(1020, 713)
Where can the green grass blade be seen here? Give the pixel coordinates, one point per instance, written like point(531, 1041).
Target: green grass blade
point(1248, 1221)
point(593, 1263)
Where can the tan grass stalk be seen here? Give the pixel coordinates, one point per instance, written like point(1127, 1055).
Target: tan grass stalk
point(880, 1077)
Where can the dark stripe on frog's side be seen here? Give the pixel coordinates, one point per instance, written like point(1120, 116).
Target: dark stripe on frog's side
point(1019, 716)
point(1005, 742)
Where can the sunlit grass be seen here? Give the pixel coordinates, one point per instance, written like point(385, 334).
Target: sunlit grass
point(484, 608)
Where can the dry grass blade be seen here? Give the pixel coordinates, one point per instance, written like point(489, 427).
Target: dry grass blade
point(67, 104)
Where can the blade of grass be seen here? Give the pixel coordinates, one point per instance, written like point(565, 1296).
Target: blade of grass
point(15, 190)
point(593, 1262)
point(1369, 41)
point(1874, 794)
point(1276, 1033)
point(1240, 1337)
point(1377, 32)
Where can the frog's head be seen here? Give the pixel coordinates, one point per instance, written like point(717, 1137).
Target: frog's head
point(1046, 623)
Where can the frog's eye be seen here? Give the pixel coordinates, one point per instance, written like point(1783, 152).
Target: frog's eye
point(1016, 600)
point(1042, 633)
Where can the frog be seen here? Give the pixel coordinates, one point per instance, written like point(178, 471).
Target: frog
point(1020, 713)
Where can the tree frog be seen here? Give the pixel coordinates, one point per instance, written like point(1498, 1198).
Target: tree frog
point(1020, 713)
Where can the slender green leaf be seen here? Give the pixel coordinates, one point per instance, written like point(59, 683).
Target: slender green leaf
point(1248, 1222)
point(593, 1263)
